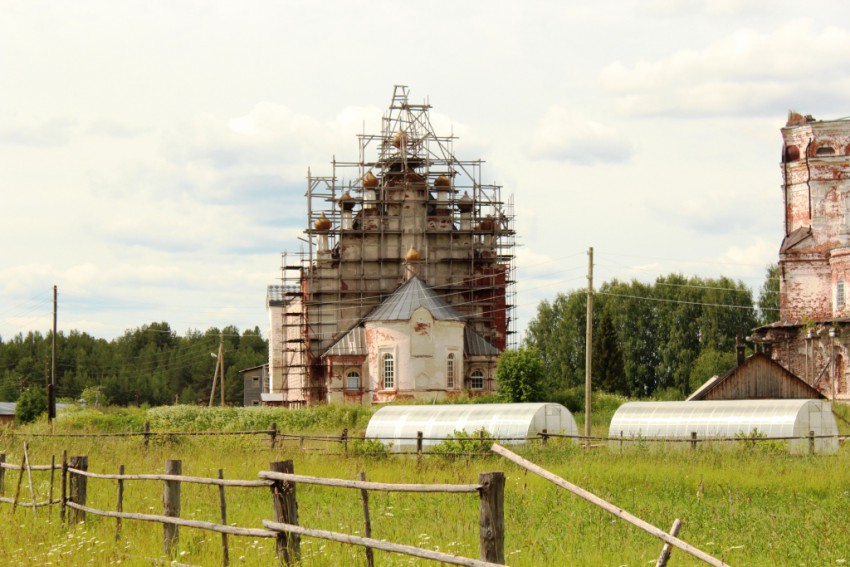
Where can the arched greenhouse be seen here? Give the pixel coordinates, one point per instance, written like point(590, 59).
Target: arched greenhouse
point(731, 418)
point(399, 424)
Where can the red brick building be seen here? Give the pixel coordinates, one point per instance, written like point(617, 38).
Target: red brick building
point(812, 334)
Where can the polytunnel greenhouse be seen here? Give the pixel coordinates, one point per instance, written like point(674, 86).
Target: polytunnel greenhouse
point(398, 425)
point(727, 419)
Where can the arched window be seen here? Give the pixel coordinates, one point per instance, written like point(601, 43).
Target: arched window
point(388, 371)
point(476, 381)
point(352, 380)
point(450, 371)
point(792, 153)
point(839, 294)
point(825, 151)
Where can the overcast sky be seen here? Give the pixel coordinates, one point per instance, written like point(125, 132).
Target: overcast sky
point(153, 154)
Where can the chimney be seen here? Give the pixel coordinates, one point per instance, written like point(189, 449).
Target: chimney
point(740, 351)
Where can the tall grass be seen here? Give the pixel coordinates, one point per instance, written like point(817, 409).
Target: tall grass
point(756, 506)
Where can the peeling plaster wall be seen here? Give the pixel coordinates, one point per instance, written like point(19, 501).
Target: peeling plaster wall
point(422, 376)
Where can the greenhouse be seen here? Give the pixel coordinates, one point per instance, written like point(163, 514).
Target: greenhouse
point(510, 422)
point(727, 419)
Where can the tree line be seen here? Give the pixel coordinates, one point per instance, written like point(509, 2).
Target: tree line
point(649, 339)
point(147, 365)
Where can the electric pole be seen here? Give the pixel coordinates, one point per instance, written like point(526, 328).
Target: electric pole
point(588, 347)
point(51, 388)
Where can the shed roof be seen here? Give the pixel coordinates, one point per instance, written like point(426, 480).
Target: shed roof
point(410, 296)
point(7, 408)
point(758, 377)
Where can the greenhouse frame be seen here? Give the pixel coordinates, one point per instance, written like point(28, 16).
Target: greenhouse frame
point(727, 419)
point(511, 423)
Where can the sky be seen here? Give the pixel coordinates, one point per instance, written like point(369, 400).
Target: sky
point(153, 154)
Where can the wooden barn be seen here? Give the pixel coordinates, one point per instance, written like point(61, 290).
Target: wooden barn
point(755, 378)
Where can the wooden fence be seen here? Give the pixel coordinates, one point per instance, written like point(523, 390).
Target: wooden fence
point(343, 441)
point(285, 528)
point(281, 480)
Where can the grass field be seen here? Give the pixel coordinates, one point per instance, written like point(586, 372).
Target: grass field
point(759, 506)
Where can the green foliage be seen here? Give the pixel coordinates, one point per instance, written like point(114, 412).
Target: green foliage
point(147, 365)
point(520, 374)
point(646, 336)
point(769, 296)
point(94, 397)
point(31, 404)
point(461, 443)
point(371, 448)
point(198, 418)
point(711, 363)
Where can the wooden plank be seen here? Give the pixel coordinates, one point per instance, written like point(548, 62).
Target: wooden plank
point(608, 507)
point(171, 506)
point(286, 511)
point(491, 517)
point(380, 544)
point(367, 522)
point(209, 526)
point(378, 486)
point(223, 506)
point(668, 549)
point(177, 478)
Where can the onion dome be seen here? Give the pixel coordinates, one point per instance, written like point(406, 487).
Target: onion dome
point(370, 181)
point(443, 181)
point(322, 223)
point(400, 139)
point(412, 255)
point(465, 203)
point(346, 202)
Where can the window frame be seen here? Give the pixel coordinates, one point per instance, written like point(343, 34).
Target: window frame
point(352, 373)
point(474, 377)
point(388, 381)
point(451, 371)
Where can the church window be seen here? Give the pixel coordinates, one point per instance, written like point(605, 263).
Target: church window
point(352, 380)
point(839, 294)
point(476, 381)
point(388, 371)
point(450, 371)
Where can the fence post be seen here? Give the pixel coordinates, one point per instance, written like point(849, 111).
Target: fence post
point(344, 439)
point(171, 506)
point(64, 485)
point(52, 479)
point(2, 474)
point(491, 517)
point(367, 522)
point(694, 440)
point(273, 434)
point(77, 488)
point(147, 431)
point(811, 442)
point(419, 444)
point(119, 507)
point(223, 505)
point(286, 512)
point(545, 435)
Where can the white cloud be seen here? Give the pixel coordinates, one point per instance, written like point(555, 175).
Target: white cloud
point(569, 136)
point(745, 72)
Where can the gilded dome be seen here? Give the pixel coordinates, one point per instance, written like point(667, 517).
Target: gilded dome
point(346, 202)
point(400, 139)
point(370, 181)
point(412, 255)
point(443, 181)
point(322, 223)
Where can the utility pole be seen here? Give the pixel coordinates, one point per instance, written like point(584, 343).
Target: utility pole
point(51, 388)
point(219, 370)
point(588, 347)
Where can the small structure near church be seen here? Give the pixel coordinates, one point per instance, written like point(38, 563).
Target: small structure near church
point(512, 423)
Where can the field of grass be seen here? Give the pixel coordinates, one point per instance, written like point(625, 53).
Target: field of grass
point(758, 506)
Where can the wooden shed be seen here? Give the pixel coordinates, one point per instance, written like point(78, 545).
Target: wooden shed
point(7, 413)
point(756, 378)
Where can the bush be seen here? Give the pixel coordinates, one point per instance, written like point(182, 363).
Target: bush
point(31, 404)
point(370, 448)
point(463, 443)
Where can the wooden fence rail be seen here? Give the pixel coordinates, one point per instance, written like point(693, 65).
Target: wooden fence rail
point(282, 481)
point(608, 507)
